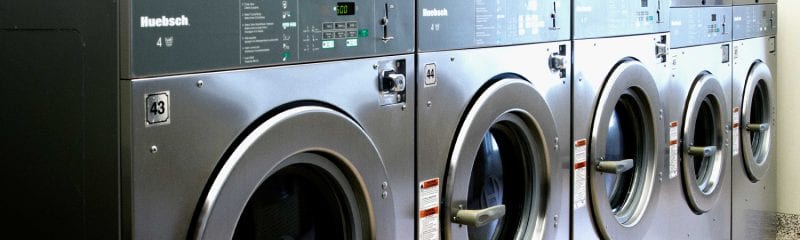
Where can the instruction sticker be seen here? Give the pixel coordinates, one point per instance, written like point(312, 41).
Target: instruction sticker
point(673, 150)
point(579, 176)
point(429, 209)
point(735, 127)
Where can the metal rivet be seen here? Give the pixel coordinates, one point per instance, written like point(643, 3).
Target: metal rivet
point(555, 221)
point(374, 66)
point(556, 143)
point(153, 149)
point(199, 83)
point(452, 59)
point(403, 107)
point(429, 103)
point(384, 195)
point(384, 185)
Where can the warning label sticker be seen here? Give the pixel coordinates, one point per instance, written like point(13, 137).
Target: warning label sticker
point(673, 150)
point(579, 175)
point(735, 127)
point(429, 209)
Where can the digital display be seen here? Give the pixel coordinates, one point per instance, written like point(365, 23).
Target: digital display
point(345, 8)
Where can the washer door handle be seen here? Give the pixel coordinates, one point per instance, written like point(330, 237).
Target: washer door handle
point(478, 218)
point(615, 167)
point(702, 151)
point(755, 127)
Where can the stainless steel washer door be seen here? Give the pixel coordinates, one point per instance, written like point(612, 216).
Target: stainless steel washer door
point(626, 152)
point(704, 152)
point(497, 184)
point(758, 114)
point(292, 177)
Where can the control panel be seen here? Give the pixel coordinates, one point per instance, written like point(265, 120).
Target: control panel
point(700, 3)
point(748, 2)
point(610, 18)
point(750, 21)
point(180, 36)
point(457, 24)
point(699, 26)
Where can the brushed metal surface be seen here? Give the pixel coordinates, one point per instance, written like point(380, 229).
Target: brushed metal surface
point(752, 21)
point(694, 26)
point(689, 65)
point(700, 3)
point(206, 122)
point(594, 60)
point(462, 76)
point(611, 18)
point(751, 2)
point(754, 203)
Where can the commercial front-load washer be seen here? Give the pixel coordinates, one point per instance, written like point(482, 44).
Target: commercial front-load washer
point(698, 191)
point(492, 119)
point(754, 133)
point(209, 120)
point(619, 141)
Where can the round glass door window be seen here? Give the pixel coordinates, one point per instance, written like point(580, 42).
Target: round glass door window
point(626, 132)
point(301, 201)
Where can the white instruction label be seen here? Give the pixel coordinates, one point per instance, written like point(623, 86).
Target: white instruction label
point(735, 127)
point(579, 176)
point(673, 150)
point(429, 209)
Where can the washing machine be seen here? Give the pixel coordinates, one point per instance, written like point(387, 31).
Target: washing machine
point(754, 130)
point(698, 192)
point(213, 120)
point(492, 119)
point(618, 141)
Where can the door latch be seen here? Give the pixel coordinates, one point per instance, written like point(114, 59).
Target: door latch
point(392, 82)
point(558, 61)
point(702, 151)
point(615, 167)
point(479, 218)
point(661, 49)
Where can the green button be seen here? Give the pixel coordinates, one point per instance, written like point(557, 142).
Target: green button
point(286, 55)
point(363, 32)
point(649, 18)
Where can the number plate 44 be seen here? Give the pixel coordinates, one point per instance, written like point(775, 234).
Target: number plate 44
point(157, 108)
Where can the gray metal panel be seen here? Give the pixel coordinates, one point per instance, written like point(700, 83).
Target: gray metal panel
point(751, 2)
point(687, 64)
point(460, 75)
point(456, 24)
point(186, 36)
point(608, 18)
point(698, 26)
point(699, 3)
point(754, 204)
point(167, 185)
point(755, 21)
point(593, 61)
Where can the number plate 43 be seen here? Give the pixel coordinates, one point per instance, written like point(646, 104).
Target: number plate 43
point(157, 108)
